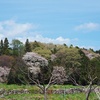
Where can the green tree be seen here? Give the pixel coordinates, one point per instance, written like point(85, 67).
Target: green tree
point(18, 72)
point(94, 69)
point(17, 47)
point(27, 46)
point(36, 44)
point(6, 46)
point(43, 79)
point(44, 52)
point(71, 46)
point(1, 47)
point(54, 50)
point(83, 68)
point(97, 51)
point(68, 57)
point(89, 72)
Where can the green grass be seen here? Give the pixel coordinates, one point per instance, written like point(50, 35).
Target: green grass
point(63, 86)
point(32, 96)
point(78, 96)
point(18, 87)
point(34, 87)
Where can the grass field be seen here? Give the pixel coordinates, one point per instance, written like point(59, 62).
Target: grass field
point(31, 96)
point(34, 87)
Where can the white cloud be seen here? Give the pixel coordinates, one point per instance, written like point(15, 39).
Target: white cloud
point(58, 40)
point(22, 31)
point(88, 27)
point(88, 47)
point(10, 28)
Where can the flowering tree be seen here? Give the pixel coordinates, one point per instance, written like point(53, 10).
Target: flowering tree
point(4, 72)
point(41, 73)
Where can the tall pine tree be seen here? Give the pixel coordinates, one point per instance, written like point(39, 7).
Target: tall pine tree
point(1, 47)
point(27, 46)
point(6, 46)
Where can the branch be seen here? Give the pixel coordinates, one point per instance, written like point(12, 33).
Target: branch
point(74, 82)
point(36, 82)
point(50, 82)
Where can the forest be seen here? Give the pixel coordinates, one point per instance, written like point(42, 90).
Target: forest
point(55, 64)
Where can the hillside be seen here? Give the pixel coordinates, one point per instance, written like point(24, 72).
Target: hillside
point(90, 54)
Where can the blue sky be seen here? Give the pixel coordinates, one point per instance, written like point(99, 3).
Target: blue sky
point(74, 22)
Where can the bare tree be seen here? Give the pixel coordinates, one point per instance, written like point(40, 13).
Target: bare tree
point(42, 74)
point(89, 87)
point(88, 71)
point(57, 76)
point(97, 91)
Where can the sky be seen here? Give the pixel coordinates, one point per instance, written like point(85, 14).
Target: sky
point(74, 22)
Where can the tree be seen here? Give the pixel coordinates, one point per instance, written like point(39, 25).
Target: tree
point(35, 44)
point(97, 51)
point(6, 63)
point(71, 46)
point(79, 68)
point(41, 73)
point(6, 46)
point(4, 72)
point(17, 47)
point(1, 47)
point(57, 76)
point(54, 50)
point(68, 57)
point(18, 72)
point(27, 46)
point(87, 72)
point(44, 52)
point(6, 60)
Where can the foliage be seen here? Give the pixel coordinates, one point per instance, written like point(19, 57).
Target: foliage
point(43, 52)
point(6, 60)
point(41, 49)
point(89, 68)
point(18, 72)
point(95, 68)
point(17, 47)
point(27, 46)
point(97, 51)
point(73, 59)
point(1, 47)
point(6, 46)
point(68, 57)
point(36, 44)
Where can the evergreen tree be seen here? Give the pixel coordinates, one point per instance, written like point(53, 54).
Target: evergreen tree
point(1, 47)
point(6, 46)
point(27, 46)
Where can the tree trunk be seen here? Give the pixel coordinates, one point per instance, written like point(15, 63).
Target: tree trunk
point(88, 91)
point(45, 94)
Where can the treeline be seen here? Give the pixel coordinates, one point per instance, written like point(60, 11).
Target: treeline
point(18, 48)
point(79, 66)
point(15, 48)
